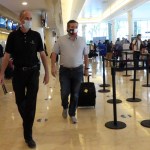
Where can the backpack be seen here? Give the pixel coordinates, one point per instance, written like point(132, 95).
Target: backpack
point(131, 45)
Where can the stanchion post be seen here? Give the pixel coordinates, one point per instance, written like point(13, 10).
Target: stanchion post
point(111, 101)
point(133, 99)
point(114, 124)
point(114, 95)
point(146, 123)
point(103, 90)
point(126, 66)
point(104, 81)
point(147, 70)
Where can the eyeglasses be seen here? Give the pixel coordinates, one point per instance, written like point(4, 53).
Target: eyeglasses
point(27, 18)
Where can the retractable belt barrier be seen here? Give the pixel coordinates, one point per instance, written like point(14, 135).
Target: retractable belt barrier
point(117, 124)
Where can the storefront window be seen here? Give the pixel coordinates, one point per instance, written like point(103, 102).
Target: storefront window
point(143, 27)
point(121, 29)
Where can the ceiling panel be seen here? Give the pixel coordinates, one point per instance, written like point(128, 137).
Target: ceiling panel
point(87, 9)
point(94, 8)
point(16, 6)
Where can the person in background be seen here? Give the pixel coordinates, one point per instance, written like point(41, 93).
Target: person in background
point(136, 47)
point(102, 48)
point(109, 53)
point(92, 50)
point(23, 46)
point(72, 49)
point(148, 45)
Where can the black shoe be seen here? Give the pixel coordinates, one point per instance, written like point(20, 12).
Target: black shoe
point(31, 143)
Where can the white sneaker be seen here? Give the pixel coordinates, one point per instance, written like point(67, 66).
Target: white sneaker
point(65, 113)
point(74, 119)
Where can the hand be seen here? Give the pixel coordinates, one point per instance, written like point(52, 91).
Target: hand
point(46, 78)
point(54, 71)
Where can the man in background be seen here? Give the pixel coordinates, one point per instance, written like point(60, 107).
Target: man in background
point(136, 47)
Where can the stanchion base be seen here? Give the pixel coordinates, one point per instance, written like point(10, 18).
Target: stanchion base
point(146, 85)
point(126, 75)
point(103, 91)
point(104, 85)
point(134, 79)
point(112, 125)
point(133, 99)
point(111, 101)
point(146, 123)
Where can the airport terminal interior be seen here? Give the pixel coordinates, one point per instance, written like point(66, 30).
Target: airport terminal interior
point(120, 119)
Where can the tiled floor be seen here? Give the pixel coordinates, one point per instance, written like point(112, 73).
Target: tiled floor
point(52, 132)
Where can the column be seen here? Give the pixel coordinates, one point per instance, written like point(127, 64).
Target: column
point(109, 31)
point(130, 25)
point(113, 31)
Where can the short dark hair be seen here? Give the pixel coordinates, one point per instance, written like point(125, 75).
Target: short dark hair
point(138, 35)
point(71, 21)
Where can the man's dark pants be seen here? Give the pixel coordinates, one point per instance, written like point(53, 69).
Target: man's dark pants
point(25, 85)
point(70, 81)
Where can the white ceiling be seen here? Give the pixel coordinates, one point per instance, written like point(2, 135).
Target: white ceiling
point(15, 5)
point(93, 8)
point(34, 5)
point(99, 10)
point(86, 10)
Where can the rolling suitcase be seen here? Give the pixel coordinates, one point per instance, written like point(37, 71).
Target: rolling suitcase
point(87, 94)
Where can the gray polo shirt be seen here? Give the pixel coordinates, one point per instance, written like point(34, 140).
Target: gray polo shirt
point(71, 52)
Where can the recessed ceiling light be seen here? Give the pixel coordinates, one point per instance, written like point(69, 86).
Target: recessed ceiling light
point(24, 3)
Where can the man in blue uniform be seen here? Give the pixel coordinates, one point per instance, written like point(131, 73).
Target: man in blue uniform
point(23, 46)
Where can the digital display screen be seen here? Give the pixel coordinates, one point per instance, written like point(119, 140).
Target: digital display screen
point(9, 25)
point(2, 22)
point(15, 26)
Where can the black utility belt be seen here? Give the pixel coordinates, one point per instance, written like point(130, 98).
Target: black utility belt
point(28, 68)
point(71, 68)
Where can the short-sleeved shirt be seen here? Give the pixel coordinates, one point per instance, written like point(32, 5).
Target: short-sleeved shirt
point(71, 52)
point(136, 44)
point(23, 47)
point(1, 51)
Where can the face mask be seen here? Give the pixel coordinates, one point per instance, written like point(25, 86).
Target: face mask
point(27, 25)
point(73, 31)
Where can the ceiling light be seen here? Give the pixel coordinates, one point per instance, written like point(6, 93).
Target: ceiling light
point(24, 3)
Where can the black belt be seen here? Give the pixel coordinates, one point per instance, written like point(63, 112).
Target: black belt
point(71, 68)
point(27, 68)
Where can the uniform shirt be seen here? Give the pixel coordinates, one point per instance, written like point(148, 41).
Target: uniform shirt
point(71, 52)
point(23, 47)
point(1, 51)
point(136, 44)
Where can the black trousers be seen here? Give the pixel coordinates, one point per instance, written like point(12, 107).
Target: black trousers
point(25, 85)
point(136, 57)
